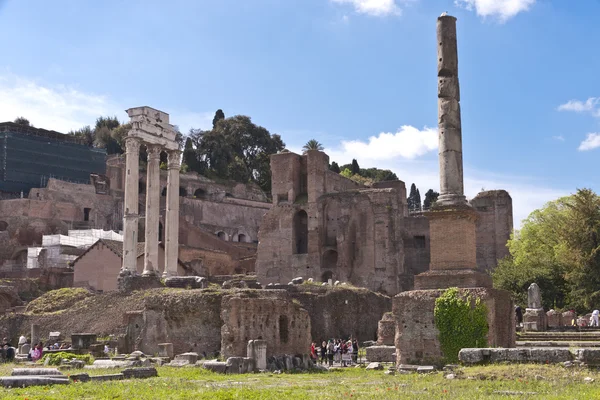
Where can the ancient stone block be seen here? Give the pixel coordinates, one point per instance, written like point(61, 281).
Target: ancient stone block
point(105, 378)
point(589, 356)
point(554, 319)
point(79, 377)
point(165, 350)
point(234, 365)
point(568, 318)
point(140, 373)
point(184, 282)
point(534, 320)
point(32, 380)
point(257, 351)
point(448, 87)
point(381, 354)
point(82, 340)
point(374, 366)
point(247, 365)
point(189, 358)
point(386, 330)
point(216, 366)
point(35, 371)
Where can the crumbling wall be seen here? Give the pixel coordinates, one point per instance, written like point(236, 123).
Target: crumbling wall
point(494, 227)
point(268, 315)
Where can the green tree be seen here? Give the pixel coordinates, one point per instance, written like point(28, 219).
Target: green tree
point(557, 247)
point(190, 158)
point(237, 149)
point(22, 121)
point(355, 168)
point(312, 144)
point(335, 167)
point(219, 115)
point(430, 198)
point(85, 135)
point(414, 199)
point(108, 122)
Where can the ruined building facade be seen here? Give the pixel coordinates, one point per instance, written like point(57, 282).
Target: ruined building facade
point(324, 226)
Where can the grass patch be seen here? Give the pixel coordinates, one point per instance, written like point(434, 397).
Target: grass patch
point(57, 300)
point(547, 382)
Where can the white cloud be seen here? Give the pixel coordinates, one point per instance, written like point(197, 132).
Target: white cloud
point(63, 108)
point(378, 8)
point(59, 107)
point(592, 141)
point(591, 105)
point(503, 9)
point(560, 138)
point(408, 142)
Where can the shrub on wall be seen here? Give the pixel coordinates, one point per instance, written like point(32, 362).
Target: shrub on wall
point(56, 358)
point(461, 321)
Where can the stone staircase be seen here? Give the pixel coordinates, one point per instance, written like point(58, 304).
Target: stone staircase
point(575, 337)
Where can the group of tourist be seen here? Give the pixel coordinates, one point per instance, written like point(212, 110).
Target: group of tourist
point(7, 351)
point(344, 352)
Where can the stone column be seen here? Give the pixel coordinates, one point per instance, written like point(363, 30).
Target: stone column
point(35, 334)
point(449, 124)
point(130, 213)
point(152, 210)
point(172, 220)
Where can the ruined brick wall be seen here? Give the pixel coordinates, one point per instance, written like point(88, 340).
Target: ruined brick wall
point(494, 227)
point(286, 171)
point(268, 315)
point(416, 248)
point(337, 183)
point(340, 312)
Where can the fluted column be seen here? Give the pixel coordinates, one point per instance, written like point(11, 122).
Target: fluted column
point(130, 213)
point(449, 124)
point(152, 210)
point(172, 220)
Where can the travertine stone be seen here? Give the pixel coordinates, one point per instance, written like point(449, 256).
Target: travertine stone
point(257, 350)
point(449, 125)
point(152, 210)
point(130, 214)
point(172, 220)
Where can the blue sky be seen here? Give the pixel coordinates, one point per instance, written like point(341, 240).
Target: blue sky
point(357, 75)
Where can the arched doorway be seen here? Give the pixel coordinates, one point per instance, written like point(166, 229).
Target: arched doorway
point(241, 238)
point(182, 192)
point(200, 193)
point(222, 235)
point(301, 232)
point(327, 275)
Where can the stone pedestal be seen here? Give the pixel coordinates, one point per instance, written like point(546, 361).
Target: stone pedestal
point(417, 338)
point(165, 350)
point(257, 350)
point(24, 349)
point(568, 318)
point(534, 320)
point(386, 330)
point(453, 251)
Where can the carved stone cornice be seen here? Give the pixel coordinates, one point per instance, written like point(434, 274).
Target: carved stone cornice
point(132, 145)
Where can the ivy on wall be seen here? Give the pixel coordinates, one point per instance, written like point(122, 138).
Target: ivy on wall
point(461, 321)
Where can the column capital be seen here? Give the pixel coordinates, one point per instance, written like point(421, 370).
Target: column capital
point(174, 157)
point(153, 151)
point(132, 145)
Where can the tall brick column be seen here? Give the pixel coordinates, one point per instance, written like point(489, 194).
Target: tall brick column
point(130, 215)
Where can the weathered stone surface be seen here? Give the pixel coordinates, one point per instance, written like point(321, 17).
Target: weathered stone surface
point(417, 338)
point(425, 369)
point(234, 365)
point(99, 364)
point(165, 350)
point(247, 365)
point(534, 320)
point(568, 318)
point(588, 356)
point(534, 296)
point(104, 378)
point(298, 281)
point(381, 354)
point(79, 377)
point(139, 373)
point(386, 330)
point(35, 371)
point(515, 355)
point(216, 366)
point(191, 282)
point(257, 351)
point(32, 380)
point(189, 358)
point(82, 340)
point(374, 366)
point(272, 316)
point(553, 319)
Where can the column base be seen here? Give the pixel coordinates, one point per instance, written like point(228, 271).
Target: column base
point(447, 278)
point(445, 200)
point(149, 273)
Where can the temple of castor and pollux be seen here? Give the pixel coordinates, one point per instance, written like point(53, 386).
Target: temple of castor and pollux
point(125, 230)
